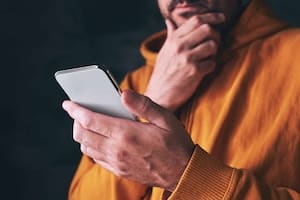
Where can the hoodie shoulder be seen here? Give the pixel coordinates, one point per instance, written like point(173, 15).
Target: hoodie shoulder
point(287, 43)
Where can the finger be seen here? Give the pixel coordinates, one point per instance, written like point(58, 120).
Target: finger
point(206, 66)
point(77, 136)
point(95, 122)
point(142, 106)
point(92, 153)
point(91, 139)
point(201, 34)
point(203, 51)
point(170, 27)
point(75, 111)
point(111, 168)
point(196, 21)
point(101, 159)
point(105, 165)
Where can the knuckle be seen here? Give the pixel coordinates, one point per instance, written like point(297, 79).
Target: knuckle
point(77, 135)
point(178, 47)
point(134, 139)
point(186, 58)
point(145, 104)
point(193, 71)
point(83, 149)
point(98, 145)
point(197, 20)
point(212, 46)
point(121, 155)
point(206, 28)
point(130, 139)
point(213, 17)
point(87, 120)
point(127, 137)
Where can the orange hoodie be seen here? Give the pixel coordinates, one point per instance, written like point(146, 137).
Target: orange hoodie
point(246, 119)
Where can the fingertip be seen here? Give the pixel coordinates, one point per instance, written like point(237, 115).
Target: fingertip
point(65, 104)
point(69, 106)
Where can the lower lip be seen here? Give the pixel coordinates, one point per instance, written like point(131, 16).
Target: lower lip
point(195, 7)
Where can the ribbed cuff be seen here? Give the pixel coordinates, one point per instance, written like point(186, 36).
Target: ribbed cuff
point(205, 178)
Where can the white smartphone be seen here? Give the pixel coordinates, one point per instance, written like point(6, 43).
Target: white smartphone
point(93, 87)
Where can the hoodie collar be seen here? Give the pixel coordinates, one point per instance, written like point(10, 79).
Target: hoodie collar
point(151, 46)
point(257, 22)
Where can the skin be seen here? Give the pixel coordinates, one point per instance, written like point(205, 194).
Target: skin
point(152, 157)
point(189, 52)
point(230, 8)
point(156, 153)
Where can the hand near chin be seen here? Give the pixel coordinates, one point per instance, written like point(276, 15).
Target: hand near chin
point(185, 58)
point(154, 153)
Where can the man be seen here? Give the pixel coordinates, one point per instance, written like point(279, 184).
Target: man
point(229, 73)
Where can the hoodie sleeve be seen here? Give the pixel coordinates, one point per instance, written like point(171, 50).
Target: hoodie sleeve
point(207, 178)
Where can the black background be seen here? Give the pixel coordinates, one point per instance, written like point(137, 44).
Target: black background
point(40, 37)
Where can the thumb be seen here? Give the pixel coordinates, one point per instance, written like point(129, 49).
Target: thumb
point(144, 107)
point(170, 27)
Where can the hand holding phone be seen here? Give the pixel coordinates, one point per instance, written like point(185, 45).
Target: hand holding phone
point(94, 88)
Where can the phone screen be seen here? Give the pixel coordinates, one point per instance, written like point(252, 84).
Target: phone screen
point(94, 88)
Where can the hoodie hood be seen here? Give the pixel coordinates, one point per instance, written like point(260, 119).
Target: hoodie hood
point(256, 22)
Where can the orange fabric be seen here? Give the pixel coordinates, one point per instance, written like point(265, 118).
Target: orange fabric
point(245, 118)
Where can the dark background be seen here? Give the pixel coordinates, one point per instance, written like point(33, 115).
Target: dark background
point(40, 37)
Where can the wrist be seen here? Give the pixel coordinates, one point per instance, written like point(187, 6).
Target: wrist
point(181, 167)
point(164, 101)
